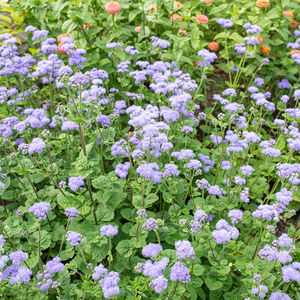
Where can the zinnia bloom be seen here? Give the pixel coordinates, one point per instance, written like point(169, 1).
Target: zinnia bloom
point(262, 3)
point(295, 51)
point(207, 1)
point(112, 7)
point(179, 5)
point(184, 32)
point(213, 46)
point(60, 50)
point(288, 13)
point(202, 19)
point(138, 28)
point(264, 49)
point(196, 63)
point(153, 8)
point(293, 25)
point(59, 38)
point(260, 39)
point(86, 26)
point(175, 17)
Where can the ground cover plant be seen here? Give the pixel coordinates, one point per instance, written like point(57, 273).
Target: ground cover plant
point(131, 171)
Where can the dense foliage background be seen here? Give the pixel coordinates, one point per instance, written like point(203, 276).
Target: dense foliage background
point(149, 149)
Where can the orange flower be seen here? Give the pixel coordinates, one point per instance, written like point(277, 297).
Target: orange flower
point(112, 7)
point(262, 3)
point(138, 28)
point(295, 51)
point(196, 63)
point(260, 39)
point(60, 50)
point(207, 1)
point(184, 32)
point(179, 5)
point(153, 8)
point(264, 50)
point(202, 19)
point(213, 46)
point(86, 26)
point(288, 13)
point(175, 17)
point(293, 25)
point(59, 38)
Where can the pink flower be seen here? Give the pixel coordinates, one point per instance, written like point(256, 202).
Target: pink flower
point(202, 19)
point(112, 7)
point(137, 28)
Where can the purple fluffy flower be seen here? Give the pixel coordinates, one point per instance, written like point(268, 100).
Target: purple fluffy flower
point(279, 296)
point(36, 146)
point(159, 284)
point(74, 238)
point(18, 257)
point(235, 215)
point(99, 272)
point(184, 250)
point(40, 210)
point(160, 42)
point(69, 125)
point(151, 250)
point(2, 240)
point(71, 213)
point(75, 183)
point(109, 284)
point(109, 230)
point(290, 272)
point(150, 224)
point(180, 272)
point(122, 169)
point(104, 120)
point(54, 265)
point(226, 23)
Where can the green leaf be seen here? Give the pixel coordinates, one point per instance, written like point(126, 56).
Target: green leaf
point(68, 26)
point(198, 269)
point(213, 284)
point(124, 248)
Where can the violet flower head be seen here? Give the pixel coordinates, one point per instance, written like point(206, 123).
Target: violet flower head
point(109, 230)
point(291, 272)
point(104, 120)
point(74, 238)
point(36, 146)
point(122, 169)
point(151, 250)
point(150, 224)
point(159, 284)
point(208, 58)
point(235, 215)
point(40, 210)
point(225, 23)
point(279, 296)
point(2, 240)
point(160, 42)
point(142, 214)
point(99, 272)
point(284, 240)
point(184, 250)
point(180, 272)
point(71, 213)
point(55, 265)
point(18, 257)
point(109, 284)
point(75, 183)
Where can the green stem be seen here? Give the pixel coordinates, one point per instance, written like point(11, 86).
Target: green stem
point(63, 238)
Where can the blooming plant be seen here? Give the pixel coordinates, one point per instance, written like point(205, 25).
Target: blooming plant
point(127, 177)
